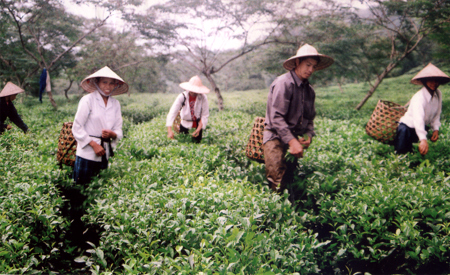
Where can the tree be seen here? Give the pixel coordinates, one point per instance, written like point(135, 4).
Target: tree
point(405, 24)
point(206, 28)
point(45, 35)
point(120, 52)
point(441, 34)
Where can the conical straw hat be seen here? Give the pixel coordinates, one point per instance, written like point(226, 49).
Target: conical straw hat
point(195, 85)
point(430, 71)
point(88, 83)
point(10, 89)
point(308, 51)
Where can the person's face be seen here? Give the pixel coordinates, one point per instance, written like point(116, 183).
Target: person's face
point(107, 85)
point(306, 68)
point(12, 97)
point(432, 84)
point(193, 94)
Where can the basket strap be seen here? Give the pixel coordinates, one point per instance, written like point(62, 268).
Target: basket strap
point(67, 149)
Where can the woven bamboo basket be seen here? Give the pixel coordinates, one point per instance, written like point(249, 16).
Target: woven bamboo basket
point(67, 145)
point(176, 124)
point(254, 148)
point(383, 123)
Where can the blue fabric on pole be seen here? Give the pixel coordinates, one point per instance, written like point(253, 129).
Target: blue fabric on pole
point(42, 83)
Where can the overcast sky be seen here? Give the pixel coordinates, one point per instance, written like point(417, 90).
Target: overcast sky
point(114, 21)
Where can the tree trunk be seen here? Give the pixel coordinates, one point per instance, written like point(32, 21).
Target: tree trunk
point(50, 96)
point(380, 78)
point(68, 88)
point(216, 90)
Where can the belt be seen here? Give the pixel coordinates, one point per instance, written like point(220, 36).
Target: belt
point(102, 142)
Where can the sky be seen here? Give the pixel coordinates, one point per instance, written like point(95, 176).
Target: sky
point(115, 21)
point(219, 43)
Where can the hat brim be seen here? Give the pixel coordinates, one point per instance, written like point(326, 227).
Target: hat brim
point(324, 61)
point(11, 89)
point(441, 79)
point(430, 72)
point(195, 89)
point(89, 86)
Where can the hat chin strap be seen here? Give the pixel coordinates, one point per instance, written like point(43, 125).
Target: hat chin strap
point(101, 92)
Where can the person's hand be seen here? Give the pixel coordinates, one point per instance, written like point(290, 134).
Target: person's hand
point(305, 142)
point(108, 134)
point(8, 127)
point(435, 136)
point(197, 132)
point(295, 148)
point(170, 133)
point(98, 149)
point(423, 147)
point(199, 128)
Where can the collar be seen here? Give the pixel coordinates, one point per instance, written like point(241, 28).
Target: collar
point(298, 82)
point(98, 96)
point(427, 94)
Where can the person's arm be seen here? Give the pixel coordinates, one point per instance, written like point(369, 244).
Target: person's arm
point(81, 117)
point(280, 103)
point(417, 107)
point(436, 121)
point(204, 114)
point(295, 148)
point(173, 112)
point(435, 136)
point(98, 149)
point(15, 118)
point(423, 147)
point(170, 133)
point(199, 128)
point(305, 142)
point(115, 133)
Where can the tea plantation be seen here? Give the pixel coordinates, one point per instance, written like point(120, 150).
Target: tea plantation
point(174, 207)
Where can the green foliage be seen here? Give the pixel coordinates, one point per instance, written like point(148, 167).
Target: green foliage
point(172, 206)
point(33, 38)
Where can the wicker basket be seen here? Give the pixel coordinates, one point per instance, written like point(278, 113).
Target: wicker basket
point(176, 124)
point(67, 145)
point(383, 123)
point(254, 148)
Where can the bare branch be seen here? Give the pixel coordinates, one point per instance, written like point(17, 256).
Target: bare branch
point(129, 64)
point(101, 23)
point(19, 28)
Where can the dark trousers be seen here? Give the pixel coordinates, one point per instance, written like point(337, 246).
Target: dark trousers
point(186, 131)
point(404, 139)
point(85, 169)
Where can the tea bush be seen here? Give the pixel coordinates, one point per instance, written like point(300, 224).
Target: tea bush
point(31, 224)
point(171, 206)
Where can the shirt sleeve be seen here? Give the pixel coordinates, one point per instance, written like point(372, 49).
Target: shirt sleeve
point(82, 115)
point(436, 120)
point(176, 107)
point(117, 128)
point(418, 113)
point(310, 129)
point(205, 112)
point(15, 118)
point(281, 98)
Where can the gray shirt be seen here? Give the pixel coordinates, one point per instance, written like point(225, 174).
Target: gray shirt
point(290, 109)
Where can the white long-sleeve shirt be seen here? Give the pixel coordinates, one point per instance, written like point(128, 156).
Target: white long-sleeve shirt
point(91, 118)
point(201, 110)
point(424, 110)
